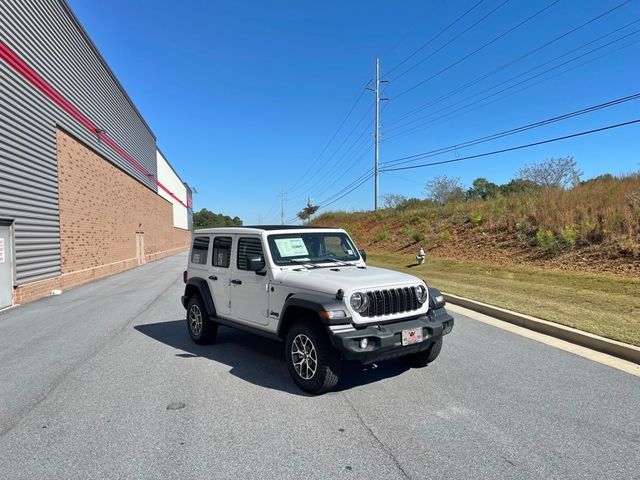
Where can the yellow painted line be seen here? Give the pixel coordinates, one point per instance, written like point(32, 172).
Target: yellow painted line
point(603, 358)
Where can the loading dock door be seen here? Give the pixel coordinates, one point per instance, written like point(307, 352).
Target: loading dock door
point(6, 267)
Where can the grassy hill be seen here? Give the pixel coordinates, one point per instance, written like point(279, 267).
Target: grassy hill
point(593, 227)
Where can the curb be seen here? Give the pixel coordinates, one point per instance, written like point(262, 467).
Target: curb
point(584, 339)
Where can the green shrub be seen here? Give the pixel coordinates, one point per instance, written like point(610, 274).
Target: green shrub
point(476, 218)
point(381, 236)
point(446, 236)
point(417, 237)
point(569, 236)
point(546, 239)
point(498, 207)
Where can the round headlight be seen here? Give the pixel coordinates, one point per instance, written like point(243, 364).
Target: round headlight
point(359, 302)
point(421, 294)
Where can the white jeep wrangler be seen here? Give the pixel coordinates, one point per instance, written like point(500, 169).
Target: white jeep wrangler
point(312, 288)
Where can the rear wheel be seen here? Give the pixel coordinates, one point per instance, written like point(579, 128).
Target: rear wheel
point(425, 357)
point(313, 363)
point(201, 328)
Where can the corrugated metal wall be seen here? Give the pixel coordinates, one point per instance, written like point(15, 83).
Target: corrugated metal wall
point(46, 35)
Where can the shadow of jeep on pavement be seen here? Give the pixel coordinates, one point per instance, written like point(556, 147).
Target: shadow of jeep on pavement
point(259, 360)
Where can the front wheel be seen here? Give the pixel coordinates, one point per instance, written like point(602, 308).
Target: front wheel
point(313, 363)
point(425, 357)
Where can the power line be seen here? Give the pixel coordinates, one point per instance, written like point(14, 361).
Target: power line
point(348, 192)
point(482, 47)
point(328, 176)
point(335, 134)
point(349, 135)
point(358, 154)
point(514, 61)
point(368, 173)
point(411, 31)
point(424, 45)
point(464, 107)
point(355, 157)
point(477, 22)
point(518, 147)
point(513, 131)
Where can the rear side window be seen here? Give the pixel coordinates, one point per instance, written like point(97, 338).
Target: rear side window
point(248, 247)
point(200, 250)
point(221, 252)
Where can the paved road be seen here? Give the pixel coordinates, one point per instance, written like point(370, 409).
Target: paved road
point(86, 380)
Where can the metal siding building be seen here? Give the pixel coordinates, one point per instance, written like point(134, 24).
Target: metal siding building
point(46, 36)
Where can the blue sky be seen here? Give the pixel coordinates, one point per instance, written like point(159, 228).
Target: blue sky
point(244, 96)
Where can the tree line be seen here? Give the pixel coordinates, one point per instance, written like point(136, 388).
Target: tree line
point(560, 173)
point(208, 219)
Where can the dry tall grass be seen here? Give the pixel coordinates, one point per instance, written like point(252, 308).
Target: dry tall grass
point(600, 214)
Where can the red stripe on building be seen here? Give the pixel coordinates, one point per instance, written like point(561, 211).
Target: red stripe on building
point(15, 62)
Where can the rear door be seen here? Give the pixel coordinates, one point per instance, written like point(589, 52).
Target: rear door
point(219, 273)
point(199, 257)
point(249, 295)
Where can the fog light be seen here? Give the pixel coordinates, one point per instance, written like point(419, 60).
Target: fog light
point(363, 343)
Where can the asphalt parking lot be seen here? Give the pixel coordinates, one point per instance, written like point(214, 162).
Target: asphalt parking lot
point(104, 382)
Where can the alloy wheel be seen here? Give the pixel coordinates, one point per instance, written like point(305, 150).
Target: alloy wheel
point(304, 356)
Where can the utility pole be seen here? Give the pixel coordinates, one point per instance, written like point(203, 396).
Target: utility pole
point(282, 207)
point(376, 132)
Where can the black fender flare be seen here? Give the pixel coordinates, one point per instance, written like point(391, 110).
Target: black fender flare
point(433, 303)
point(202, 287)
point(314, 303)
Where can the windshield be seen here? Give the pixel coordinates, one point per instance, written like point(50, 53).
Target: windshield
point(312, 247)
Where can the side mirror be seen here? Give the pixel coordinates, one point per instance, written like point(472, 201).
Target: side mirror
point(363, 254)
point(255, 263)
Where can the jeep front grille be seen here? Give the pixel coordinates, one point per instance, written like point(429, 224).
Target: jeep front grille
point(395, 300)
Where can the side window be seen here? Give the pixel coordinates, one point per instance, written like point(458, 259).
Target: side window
point(200, 250)
point(221, 252)
point(248, 247)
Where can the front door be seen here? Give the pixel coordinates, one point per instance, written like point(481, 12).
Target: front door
point(6, 267)
point(249, 296)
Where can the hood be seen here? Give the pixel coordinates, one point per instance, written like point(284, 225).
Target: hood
point(329, 280)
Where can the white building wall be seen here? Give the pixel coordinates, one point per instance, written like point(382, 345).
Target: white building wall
point(168, 178)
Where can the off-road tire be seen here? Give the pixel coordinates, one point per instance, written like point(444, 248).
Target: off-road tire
point(328, 361)
point(201, 328)
point(425, 357)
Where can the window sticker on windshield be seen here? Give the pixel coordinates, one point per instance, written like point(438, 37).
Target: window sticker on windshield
point(196, 258)
point(349, 251)
point(291, 247)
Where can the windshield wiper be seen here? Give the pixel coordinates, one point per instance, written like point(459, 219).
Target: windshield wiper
point(304, 263)
point(341, 263)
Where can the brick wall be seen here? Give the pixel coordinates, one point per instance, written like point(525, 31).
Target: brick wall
point(101, 209)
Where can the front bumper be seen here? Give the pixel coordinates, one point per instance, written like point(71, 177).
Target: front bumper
point(385, 339)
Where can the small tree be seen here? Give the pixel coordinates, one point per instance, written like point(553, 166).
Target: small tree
point(393, 200)
point(443, 189)
point(517, 186)
point(482, 188)
point(306, 212)
point(552, 173)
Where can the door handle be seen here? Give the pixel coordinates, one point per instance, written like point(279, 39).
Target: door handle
point(236, 282)
point(212, 277)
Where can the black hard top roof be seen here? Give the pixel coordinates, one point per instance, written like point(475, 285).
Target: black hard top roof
point(282, 227)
